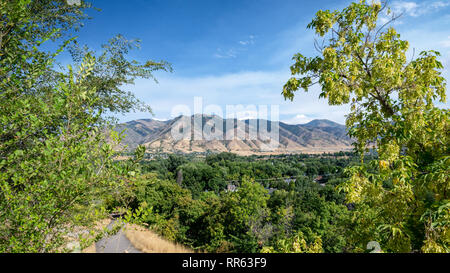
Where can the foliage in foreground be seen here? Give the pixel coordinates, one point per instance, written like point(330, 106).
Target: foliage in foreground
point(57, 169)
point(403, 196)
point(56, 166)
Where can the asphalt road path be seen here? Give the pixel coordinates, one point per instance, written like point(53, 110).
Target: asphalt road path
point(117, 243)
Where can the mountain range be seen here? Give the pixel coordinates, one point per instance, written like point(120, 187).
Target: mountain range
point(317, 136)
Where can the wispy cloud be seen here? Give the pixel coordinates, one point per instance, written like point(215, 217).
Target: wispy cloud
point(234, 51)
point(225, 54)
point(416, 9)
point(248, 88)
point(445, 43)
point(264, 86)
point(249, 41)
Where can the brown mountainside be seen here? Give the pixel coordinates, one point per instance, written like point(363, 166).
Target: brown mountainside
point(316, 136)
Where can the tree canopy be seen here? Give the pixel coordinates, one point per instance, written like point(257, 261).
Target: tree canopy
point(56, 164)
point(365, 63)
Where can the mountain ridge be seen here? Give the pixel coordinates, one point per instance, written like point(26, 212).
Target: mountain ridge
point(316, 136)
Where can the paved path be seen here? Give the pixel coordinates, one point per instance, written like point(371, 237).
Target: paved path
point(117, 243)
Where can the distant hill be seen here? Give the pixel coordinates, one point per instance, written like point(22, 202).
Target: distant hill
point(316, 136)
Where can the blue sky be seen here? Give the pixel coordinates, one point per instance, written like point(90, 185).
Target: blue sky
point(239, 52)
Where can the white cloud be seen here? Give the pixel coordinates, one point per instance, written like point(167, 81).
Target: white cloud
point(298, 119)
point(445, 43)
point(439, 4)
point(417, 9)
point(249, 41)
point(243, 115)
point(256, 88)
point(225, 54)
point(233, 52)
point(410, 8)
point(264, 87)
point(161, 119)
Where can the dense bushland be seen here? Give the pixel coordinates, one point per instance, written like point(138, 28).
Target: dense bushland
point(284, 203)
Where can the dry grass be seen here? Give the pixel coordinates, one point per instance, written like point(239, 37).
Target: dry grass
point(90, 249)
point(149, 242)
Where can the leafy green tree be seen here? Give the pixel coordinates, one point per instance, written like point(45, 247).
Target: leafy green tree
point(174, 161)
point(246, 208)
point(364, 63)
point(112, 70)
point(208, 230)
point(56, 165)
point(221, 157)
point(295, 244)
point(198, 177)
point(248, 219)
